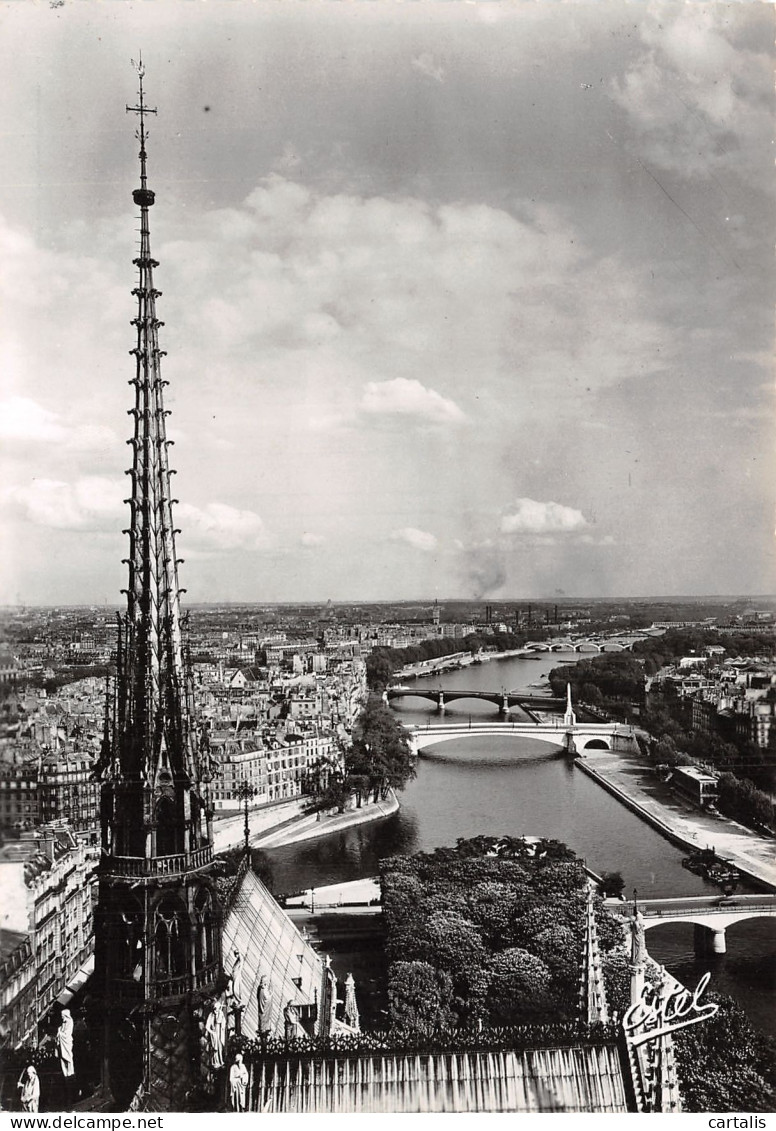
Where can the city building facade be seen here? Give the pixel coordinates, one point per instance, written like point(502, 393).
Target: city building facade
point(46, 877)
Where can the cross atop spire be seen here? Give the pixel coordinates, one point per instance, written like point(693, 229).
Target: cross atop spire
point(139, 194)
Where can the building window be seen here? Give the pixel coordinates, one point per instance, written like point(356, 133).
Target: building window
point(171, 939)
point(206, 928)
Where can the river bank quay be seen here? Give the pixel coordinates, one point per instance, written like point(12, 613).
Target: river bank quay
point(229, 830)
point(348, 896)
point(631, 779)
point(459, 660)
point(314, 825)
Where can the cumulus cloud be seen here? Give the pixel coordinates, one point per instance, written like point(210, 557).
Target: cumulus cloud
point(218, 526)
point(299, 306)
point(311, 539)
point(418, 539)
point(328, 290)
point(96, 504)
point(44, 292)
point(91, 503)
point(24, 421)
point(406, 397)
point(346, 302)
point(701, 101)
point(532, 517)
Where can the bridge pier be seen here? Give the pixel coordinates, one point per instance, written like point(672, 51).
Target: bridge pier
point(504, 705)
point(718, 941)
point(625, 743)
point(709, 940)
point(441, 702)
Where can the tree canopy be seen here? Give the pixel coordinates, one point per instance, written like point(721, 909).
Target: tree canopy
point(380, 755)
point(502, 918)
point(379, 759)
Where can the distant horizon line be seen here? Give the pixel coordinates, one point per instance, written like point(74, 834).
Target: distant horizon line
point(558, 600)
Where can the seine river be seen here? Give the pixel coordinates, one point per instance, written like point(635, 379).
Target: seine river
point(498, 786)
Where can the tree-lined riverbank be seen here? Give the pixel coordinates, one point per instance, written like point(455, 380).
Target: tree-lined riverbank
point(515, 788)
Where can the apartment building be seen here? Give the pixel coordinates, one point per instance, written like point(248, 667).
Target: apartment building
point(47, 878)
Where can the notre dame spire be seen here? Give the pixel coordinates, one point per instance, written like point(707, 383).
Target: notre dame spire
point(157, 938)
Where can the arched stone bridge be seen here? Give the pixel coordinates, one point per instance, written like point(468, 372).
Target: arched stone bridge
point(592, 736)
point(711, 915)
point(443, 697)
point(592, 644)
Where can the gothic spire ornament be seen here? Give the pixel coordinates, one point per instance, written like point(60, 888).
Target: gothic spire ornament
point(157, 939)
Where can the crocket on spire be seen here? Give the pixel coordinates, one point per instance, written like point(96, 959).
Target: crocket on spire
point(153, 738)
point(156, 729)
point(157, 938)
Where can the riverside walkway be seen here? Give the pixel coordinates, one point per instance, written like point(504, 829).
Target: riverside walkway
point(311, 826)
point(348, 896)
point(631, 778)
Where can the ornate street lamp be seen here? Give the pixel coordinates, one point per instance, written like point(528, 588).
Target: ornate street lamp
point(245, 791)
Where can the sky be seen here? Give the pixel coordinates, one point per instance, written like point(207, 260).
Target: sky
point(460, 299)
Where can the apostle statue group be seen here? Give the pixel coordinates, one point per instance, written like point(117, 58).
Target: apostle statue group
point(29, 1081)
point(223, 1018)
point(220, 1019)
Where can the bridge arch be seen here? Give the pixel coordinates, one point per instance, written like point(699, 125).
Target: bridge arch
point(431, 737)
point(557, 734)
point(596, 744)
point(431, 695)
point(712, 920)
point(482, 697)
point(444, 697)
point(710, 916)
point(485, 754)
point(711, 933)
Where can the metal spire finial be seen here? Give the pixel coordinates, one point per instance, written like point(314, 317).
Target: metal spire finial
point(143, 196)
point(141, 108)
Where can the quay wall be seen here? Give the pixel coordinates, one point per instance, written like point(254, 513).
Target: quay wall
point(633, 805)
point(314, 825)
point(230, 831)
point(662, 824)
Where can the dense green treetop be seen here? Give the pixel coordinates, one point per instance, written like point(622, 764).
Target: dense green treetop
point(725, 1064)
point(502, 918)
point(378, 759)
point(380, 753)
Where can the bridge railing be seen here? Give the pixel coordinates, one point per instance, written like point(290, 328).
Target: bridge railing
point(706, 904)
point(722, 905)
point(548, 724)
